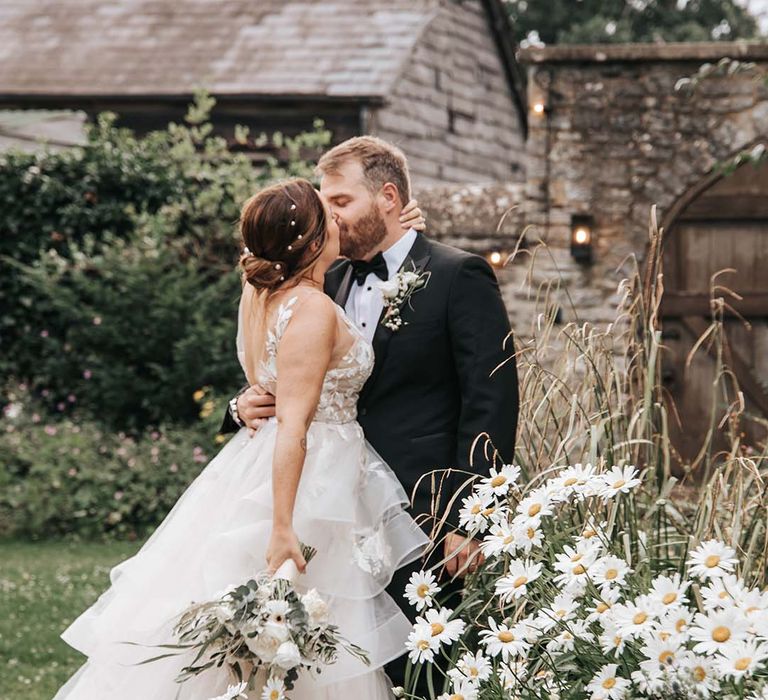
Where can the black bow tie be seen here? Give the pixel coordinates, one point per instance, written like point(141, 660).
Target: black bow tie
point(376, 265)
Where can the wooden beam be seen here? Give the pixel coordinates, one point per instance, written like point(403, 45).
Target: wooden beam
point(686, 304)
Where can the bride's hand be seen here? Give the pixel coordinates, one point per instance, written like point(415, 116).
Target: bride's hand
point(284, 545)
point(412, 217)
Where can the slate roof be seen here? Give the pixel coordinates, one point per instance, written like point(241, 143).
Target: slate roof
point(339, 48)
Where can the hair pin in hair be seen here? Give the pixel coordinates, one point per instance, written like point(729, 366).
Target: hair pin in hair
point(293, 223)
point(293, 207)
point(246, 252)
point(278, 266)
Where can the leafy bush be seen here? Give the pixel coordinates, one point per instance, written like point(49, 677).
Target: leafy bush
point(73, 477)
point(122, 292)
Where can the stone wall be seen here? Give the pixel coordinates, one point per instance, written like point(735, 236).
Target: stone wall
point(616, 137)
point(452, 109)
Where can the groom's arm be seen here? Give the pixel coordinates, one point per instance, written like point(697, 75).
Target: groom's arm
point(478, 326)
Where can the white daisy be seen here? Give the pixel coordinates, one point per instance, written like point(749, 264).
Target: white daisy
point(421, 589)
point(475, 513)
point(636, 617)
point(563, 609)
point(422, 644)
point(527, 534)
point(669, 591)
point(649, 678)
point(575, 564)
point(592, 530)
point(712, 559)
point(274, 689)
point(702, 674)
point(714, 631)
point(603, 605)
point(475, 666)
point(609, 571)
point(501, 639)
point(741, 658)
point(463, 689)
point(606, 684)
point(663, 650)
point(619, 480)
point(565, 639)
point(500, 540)
point(721, 592)
point(515, 584)
point(512, 674)
point(612, 641)
point(580, 480)
point(234, 692)
point(535, 506)
point(676, 621)
point(443, 628)
point(499, 482)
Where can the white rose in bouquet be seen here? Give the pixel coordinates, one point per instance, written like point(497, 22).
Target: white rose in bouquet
point(264, 647)
point(408, 278)
point(276, 630)
point(316, 607)
point(288, 656)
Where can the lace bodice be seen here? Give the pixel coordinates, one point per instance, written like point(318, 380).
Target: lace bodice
point(342, 383)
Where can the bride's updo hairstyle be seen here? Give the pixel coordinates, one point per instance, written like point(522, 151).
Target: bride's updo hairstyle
point(284, 230)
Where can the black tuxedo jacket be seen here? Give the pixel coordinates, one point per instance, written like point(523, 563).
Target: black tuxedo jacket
point(431, 392)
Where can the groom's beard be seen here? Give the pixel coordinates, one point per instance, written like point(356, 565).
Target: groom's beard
point(363, 236)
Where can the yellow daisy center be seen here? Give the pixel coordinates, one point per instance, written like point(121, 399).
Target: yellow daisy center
point(274, 695)
point(666, 656)
point(639, 618)
point(531, 533)
point(743, 663)
point(422, 590)
point(476, 508)
point(570, 482)
point(422, 644)
point(669, 598)
point(509, 539)
point(721, 634)
point(723, 595)
point(520, 581)
point(608, 683)
point(534, 509)
point(499, 480)
point(712, 561)
point(578, 569)
point(505, 636)
point(602, 607)
point(456, 696)
point(618, 484)
point(561, 613)
point(699, 673)
point(680, 625)
point(437, 628)
point(664, 636)
point(576, 557)
point(589, 533)
point(488, 511)
point(611, 574)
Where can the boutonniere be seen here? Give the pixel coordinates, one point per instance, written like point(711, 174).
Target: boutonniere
point(397, 291)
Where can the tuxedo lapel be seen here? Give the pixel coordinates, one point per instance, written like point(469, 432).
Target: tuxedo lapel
point(418, 258)
point(338, 282)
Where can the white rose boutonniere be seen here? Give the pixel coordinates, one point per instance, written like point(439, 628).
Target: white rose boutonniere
point(397, 291)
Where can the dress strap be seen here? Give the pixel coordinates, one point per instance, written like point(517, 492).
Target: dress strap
point(284, 315)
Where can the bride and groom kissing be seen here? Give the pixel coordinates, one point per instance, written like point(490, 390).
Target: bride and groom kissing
point(393, 354)
point(433, 388)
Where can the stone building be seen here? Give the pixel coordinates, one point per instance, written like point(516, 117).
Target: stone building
point(438, 77)
point(610, 136)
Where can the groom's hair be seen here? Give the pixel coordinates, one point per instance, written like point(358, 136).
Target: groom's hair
point(381, 162)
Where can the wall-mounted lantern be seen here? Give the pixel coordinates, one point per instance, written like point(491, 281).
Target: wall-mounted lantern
point(582, 234)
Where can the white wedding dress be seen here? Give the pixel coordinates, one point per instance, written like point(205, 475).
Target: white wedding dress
point(349, 506)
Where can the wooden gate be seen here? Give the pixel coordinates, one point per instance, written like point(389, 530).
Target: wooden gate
point(725, 227)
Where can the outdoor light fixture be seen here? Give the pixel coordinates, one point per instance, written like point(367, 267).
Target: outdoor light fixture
point(539, 108)
point(582, 227)
point(496, 258)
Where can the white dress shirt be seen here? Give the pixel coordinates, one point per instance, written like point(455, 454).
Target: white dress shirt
point(365, 302)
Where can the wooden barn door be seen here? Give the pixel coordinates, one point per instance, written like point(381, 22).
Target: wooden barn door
point(725, 227)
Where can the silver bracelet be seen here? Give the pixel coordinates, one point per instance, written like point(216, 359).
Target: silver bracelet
point(233, 412)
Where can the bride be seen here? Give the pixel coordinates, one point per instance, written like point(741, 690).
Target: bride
point(307, 476)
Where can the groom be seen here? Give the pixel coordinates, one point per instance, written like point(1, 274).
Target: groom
point(431, 392)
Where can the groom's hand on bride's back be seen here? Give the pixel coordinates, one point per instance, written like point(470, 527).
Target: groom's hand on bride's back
point(254, 406)
point(466, 554)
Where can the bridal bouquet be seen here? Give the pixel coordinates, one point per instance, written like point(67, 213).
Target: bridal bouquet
point(581, 599)
point(263, 624)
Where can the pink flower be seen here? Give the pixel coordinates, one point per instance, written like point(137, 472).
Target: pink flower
point(72, 471)
point(50, 430)
point(174, 468)
point(97, 320)
point(87, 374)
point(35, 417)
point(118, 495)
point(43, 334)
point(71, 398)
point(61, 406)
point(44, 393)
point(154, 435)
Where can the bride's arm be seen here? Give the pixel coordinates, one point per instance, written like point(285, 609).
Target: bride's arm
point(303, 357)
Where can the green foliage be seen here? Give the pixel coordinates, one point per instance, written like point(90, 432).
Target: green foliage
point(620, 21)
point(122, 288)
point(73, 477)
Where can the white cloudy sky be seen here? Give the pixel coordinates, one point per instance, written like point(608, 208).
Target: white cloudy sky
point(759, 8)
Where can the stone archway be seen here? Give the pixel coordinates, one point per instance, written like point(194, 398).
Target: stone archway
point(720, 223)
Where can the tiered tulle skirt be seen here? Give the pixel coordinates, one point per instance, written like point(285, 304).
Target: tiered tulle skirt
point(349, 507)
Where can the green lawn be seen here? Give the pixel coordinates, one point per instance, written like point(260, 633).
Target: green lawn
point(43, 587)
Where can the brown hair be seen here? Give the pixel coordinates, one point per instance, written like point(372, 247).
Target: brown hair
point(381, 161)
point(278, 226)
